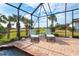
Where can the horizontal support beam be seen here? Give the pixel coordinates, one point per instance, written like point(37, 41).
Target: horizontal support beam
point(11, 5)
point(27, 12)
point(62, 12)
point(19, 9)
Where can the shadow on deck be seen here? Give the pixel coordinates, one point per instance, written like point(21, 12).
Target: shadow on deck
point(43, 48)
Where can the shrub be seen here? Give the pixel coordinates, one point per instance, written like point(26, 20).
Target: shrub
point(56, 34)
point(2, 31)
point(52, 29)
point(1, 36)
point(37, 31)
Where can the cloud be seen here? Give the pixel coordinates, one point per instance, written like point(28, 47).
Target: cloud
point(28, 16)
point(5, 9)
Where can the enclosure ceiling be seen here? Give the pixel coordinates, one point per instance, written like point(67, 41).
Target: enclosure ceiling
point(34, 8)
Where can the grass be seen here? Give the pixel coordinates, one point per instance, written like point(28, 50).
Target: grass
point(69, 33)
point(13, 34)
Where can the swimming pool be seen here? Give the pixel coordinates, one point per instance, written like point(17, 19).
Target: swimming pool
point(12, 51)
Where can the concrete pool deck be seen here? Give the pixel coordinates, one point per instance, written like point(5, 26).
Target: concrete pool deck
point(62, 47)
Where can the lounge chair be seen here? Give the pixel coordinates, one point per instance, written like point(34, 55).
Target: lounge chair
point(34, 37)
point(49, 36)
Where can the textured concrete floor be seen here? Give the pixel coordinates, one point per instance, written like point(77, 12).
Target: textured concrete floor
point(62, 47)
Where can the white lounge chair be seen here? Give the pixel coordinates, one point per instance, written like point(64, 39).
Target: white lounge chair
point(49, 36)
point(34, 36)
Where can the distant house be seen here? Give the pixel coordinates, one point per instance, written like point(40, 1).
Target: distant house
point(13, 25)
point(76, 24)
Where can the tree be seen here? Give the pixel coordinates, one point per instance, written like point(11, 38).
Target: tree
point(2, 31)
point(27, 23)
point(52, 18)
point(1, 19)
point(25, 20)
point(17, 24)
point(8, 19)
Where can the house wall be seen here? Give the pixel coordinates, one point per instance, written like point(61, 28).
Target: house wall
point(76, 26)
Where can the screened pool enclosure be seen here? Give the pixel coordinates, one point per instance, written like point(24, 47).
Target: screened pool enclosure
point(19, 18)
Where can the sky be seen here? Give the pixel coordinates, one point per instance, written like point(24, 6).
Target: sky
point(30, 7)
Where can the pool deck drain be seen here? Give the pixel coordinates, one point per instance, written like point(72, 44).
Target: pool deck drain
point(62, 47)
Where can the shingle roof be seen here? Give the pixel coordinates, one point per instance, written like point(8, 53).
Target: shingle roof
point(76, 20)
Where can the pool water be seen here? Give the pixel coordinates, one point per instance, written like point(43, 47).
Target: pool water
point(12, 51)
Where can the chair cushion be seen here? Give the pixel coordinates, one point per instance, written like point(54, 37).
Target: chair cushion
point(34, 35)
point(50, 35)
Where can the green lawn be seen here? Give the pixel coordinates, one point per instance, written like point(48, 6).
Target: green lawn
point(13, 33)
point(69, 33)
